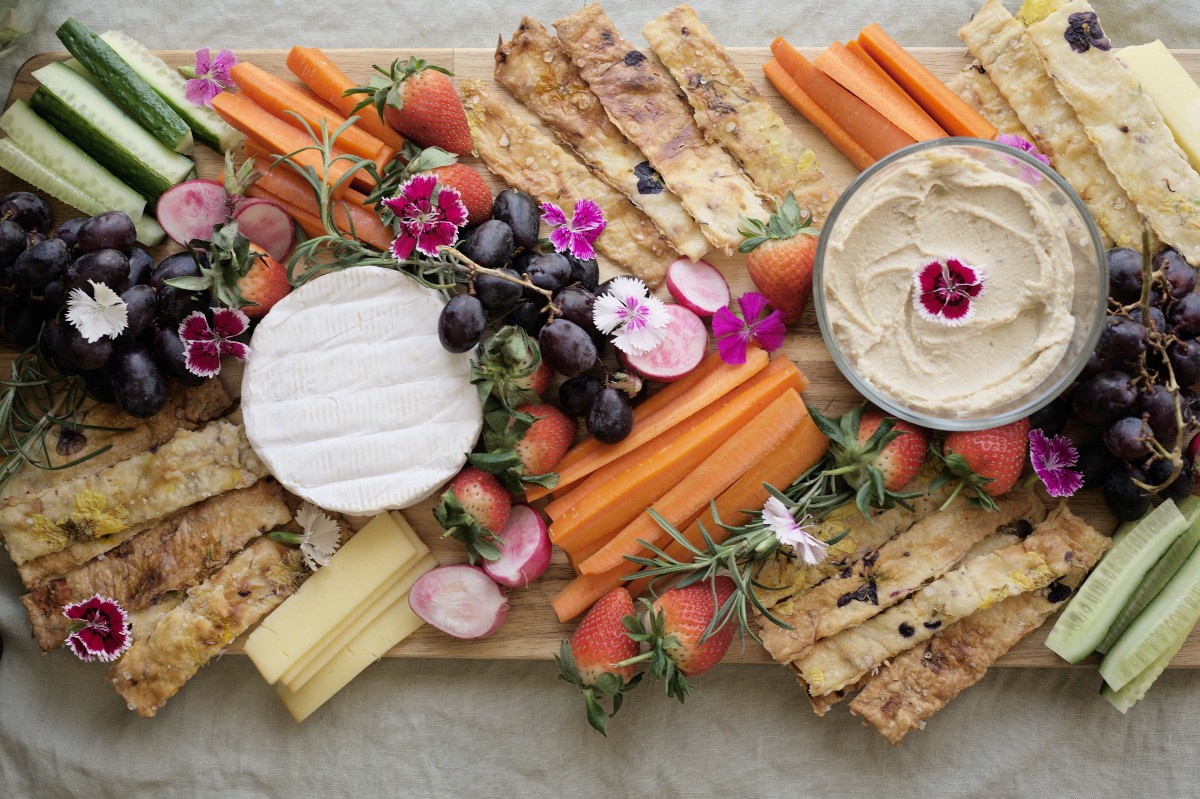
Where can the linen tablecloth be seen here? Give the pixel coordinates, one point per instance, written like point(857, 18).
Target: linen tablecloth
point(449, 728)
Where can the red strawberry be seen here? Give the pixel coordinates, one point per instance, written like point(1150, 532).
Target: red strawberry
point(590, 660)
point(418, 99)
point(541, 378)
point(263, 285)
point(988, 461)
point(901, 459)
point(472, 510)
point(475, 194)
point(779, 257)
point(545, 443)
point(527, 448)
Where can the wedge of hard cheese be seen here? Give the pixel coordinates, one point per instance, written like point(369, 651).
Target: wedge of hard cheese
point(1173, 91)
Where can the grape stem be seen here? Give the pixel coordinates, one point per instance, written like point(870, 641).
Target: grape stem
point(524, 280)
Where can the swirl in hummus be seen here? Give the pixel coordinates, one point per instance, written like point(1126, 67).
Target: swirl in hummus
point(929, 208)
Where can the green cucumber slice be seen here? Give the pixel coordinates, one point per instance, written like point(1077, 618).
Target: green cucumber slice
point(129, 89)
point(149, 232)
point(207, 126)
point(1159, 575)
point(43, 143)
point(1170, 615)
point(33, 172)
point(1135, 690)
point(1098, 602)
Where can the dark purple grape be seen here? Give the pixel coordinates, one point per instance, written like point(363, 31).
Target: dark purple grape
point(1096, 363)
point(54, 295)
point(111, 230)
point(181, 264)
point(26, 209)
point(141, 306)
point(99, 385)
point(109, 267)
point(1122, 339)
point(1181, 487)
point(12, 298)
point(1051, 418)
point(611, 416)
point(49, 344)
point(461, 323)
point(1128, 438)
point(1124, 274)
point(141, 266)
point(168, 351)
point(73, 349)
point(139, 385)
point(12, 242)
point(585, 273)
point(33, 238)
point(576, 394)
point(1185, 360)
point(1096, 463)
point(1103, 397)
point(497, 294)
point(521, 261)
point(567, 347)
point(575, 303)
point(603, 288)
point(520, 212)
point(1191, 401)
point(1157, 406)
point(490, 244)
point(67, 230)
point(1158, 320)
point(1127, 501)
point(38, 265)
point(23, 323)
point(550, 271)
point(1178, 274)
point(175, 304)
point(528, 315)
point(1185, 316)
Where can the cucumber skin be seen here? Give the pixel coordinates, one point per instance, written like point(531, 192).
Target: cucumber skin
point(131, 92)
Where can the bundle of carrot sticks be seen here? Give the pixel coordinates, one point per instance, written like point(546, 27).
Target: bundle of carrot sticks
point(713, 437)
point(871, 97)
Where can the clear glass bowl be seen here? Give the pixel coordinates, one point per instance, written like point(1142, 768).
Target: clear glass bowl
point(1089, 269)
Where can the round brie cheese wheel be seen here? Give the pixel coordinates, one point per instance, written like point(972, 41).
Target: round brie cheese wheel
point(349, 397)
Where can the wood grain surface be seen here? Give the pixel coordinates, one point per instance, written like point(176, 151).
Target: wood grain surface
point(531, 631)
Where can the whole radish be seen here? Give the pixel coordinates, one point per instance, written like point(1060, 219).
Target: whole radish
point(594, 660)
point(460, 600)
point(524, 549)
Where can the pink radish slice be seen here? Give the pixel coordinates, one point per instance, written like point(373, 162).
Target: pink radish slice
point(698, 286)
point(459, 600)
point(679, 353)
point(189, 211)
point(266, 224)
point(524, 549)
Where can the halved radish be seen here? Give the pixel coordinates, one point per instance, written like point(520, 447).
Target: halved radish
point(189, 211)
point(266, 224)
point(524, 549)
point(679, 353)
point(459, 600)
point(698, 286)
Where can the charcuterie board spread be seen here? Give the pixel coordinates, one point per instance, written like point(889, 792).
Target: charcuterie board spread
point(371, 345)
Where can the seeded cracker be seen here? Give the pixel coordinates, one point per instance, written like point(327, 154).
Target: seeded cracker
point(977, 90)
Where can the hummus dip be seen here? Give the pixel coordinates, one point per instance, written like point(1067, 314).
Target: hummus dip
point(932, 207)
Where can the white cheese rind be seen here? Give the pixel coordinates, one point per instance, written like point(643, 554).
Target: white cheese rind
point(349, 398)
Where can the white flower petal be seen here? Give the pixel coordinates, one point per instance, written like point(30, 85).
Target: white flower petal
point(779, 519)
point(322, 536)
point(625, 286)
point(95, 317)
point(608, 312)
point(638, 340)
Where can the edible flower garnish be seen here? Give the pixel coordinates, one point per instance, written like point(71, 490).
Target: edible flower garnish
point(792, 533)
point(1052, 460)
point(944, 291)
point(205, 344)
point(577, 235)
point(734, 335)
point(102, 314)
point(637, 321)
point(1083, 32)
point(426, 216)
point(1028, 173)
point(100, 629)
point(210, 76)
point(320, 539)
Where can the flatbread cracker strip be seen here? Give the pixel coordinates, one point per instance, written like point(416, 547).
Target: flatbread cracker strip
point(999, 41)
point(642, 102)
point(976, 584)
point(528, 160)
point(919, 682)
point(174, 554)
point(215, 612)
point(89, 510)
point(731, 112)
point(927, 550)
point(537, 72)
point(977, 90)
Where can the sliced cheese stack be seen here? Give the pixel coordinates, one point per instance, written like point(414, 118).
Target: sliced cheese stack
point(344, 618)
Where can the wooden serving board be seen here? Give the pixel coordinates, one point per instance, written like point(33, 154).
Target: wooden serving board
point(532, 632)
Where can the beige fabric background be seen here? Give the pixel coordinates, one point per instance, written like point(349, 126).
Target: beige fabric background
point(444, 728)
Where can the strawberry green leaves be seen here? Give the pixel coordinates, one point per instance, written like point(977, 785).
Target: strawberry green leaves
point(787, 223)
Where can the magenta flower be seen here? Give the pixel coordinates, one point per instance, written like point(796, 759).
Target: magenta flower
point(100, 629)
point(427, 216)
point(1028, 173)
point(945, 291)
point(211, 76)
point(734, 335)
point(578, 235)
point(205, 344)
point(1052, 460)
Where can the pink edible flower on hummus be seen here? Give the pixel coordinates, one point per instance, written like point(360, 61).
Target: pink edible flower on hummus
point(944, 291)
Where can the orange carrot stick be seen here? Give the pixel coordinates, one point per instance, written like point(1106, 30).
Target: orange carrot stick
point(808, 107)
point(947, 108)
point(864, 124)
point(882, 94)
point(318, 73)
point(729, 462)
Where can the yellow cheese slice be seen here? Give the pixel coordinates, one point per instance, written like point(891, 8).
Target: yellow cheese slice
point(1172, 90)
point(365, 563)
point(397, 623)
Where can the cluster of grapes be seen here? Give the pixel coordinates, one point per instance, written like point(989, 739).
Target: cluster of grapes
point(1136, 387)
point(40, 267)
point(569, 342)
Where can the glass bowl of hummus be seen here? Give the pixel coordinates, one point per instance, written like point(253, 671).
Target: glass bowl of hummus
point(960, 284)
